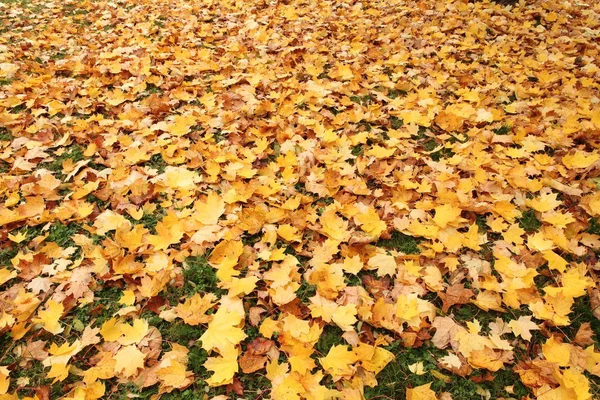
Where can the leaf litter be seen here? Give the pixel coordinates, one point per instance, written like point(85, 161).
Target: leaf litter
point(279, 199)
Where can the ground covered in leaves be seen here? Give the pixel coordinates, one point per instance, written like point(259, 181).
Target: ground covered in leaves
point(299, 199)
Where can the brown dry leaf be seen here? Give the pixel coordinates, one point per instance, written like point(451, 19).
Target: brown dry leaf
point(235, 387)
point(455, 294)
point(254, 315)
point(585, 335)
point(251, 363)
point(260, 346)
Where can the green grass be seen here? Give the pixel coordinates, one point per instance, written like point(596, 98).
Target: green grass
point(6, 255)
point(401, 242)
point(503, 130)
point(58, 56)
point(106, 296)
point(362, 100)
point(198, 277)
point(357, 150)
point(182, 333)
point(34, 371)
point(582, 312)
point(73, 152)
point(393, 93)
point(149, 221)
point(396, 377)
point(197, 271)
point(594, 226)
point(62, 234)
point(396, 123)
point(529, 221)
point(331, 336)
point(444, 152)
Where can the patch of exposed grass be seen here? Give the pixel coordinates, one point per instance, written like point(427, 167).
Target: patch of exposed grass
point(197, 271)
point(594, 227)
point(6, 255)
point(33, 372)
point(182, 333)
point(73, 152)
point(396, 377)
point(582, 312)
point(503, 130)
point(362, 100)
point(331, 336)
point(529, 221)
point(62, 234)
point(396, 123)
point(148, 220)
point(199, 277)
point(401, 242)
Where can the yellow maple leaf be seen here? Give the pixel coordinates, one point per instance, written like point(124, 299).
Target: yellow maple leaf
point(539, 242)
point(4, 380)
point(224, 367)
point(385, 264)
point(116, 97)
point(445, 214)
point(343, 72)
point(580, 159)
point(343, 316)
point(352, 265)
point(240, 286)
point(380, 152)
point(377, 362)
point(125, 334)
point(109, 221)
point(514, 235)
point(300, 359)
point(575, 381)
point(223, 331)
point(111, 330)
point(523, 326)
point(18, 238)
point(596, 117)
point(168, 231)
point(557, 352)
point(574, 283)
point(558, 219)
point(555, 261)
point(339, 362)
point(6, 275)
point(179, 178)
point(289, 233)
point(370, 222)
point(544, 203)
point(180, 125)
point(193, 310)
point(129, 359)
point(554, 308)
point(486, 358)
point(422, 392)
point(50, 317)
point(449, 121)
point(58, 371)
point(209, 210)
point(133, 333)
point(407, 307)
point(128, 298)
point(174, 375)
point(333, 226)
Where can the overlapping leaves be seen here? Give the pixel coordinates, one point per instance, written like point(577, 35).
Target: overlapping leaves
point(195, 194)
